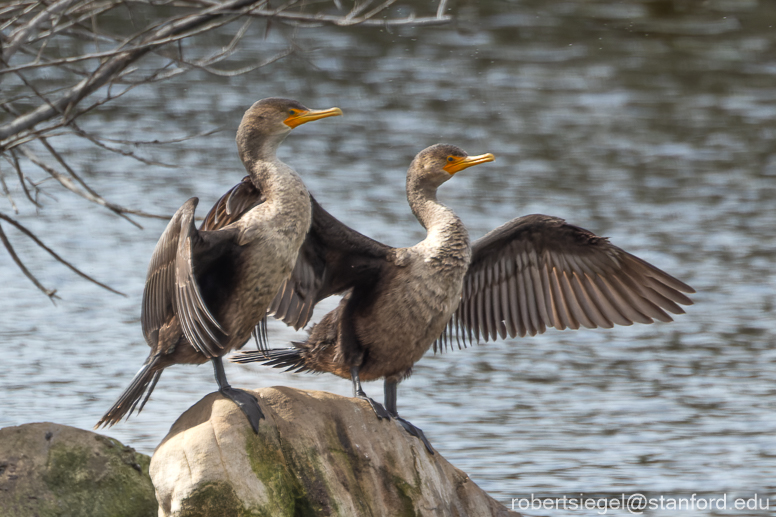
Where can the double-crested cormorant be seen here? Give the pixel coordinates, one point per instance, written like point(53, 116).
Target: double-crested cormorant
point(207, 289)
point(531, 273)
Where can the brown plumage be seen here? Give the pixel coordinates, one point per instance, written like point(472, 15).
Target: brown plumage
point(532, 273)
point(207, 289)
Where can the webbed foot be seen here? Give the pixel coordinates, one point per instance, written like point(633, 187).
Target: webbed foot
point(417, 432)
point(376, 406)
point(247, 403)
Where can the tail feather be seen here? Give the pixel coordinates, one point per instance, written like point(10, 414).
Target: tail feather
point(143, 383)
point(148, 392)
point(289, 358)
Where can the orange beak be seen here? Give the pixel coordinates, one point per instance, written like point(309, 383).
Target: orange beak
point(302, 117)
point(465, 162)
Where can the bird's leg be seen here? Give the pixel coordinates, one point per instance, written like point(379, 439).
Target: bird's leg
point(244, 400)
point(353, 354)
point(358, 392)
point(390, 406)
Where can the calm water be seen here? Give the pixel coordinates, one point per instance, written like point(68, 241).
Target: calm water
point(650, 122)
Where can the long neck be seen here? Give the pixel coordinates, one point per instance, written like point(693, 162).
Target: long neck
point(440, 222)
point(257, 151)
point(259, 156)
point(281, 187)
point(274, 179)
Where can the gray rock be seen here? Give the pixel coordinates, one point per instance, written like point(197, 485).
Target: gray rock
point(49, 469)
point(316, 454)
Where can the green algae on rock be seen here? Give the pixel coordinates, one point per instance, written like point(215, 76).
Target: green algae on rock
point(315, 454)
point(49, 470)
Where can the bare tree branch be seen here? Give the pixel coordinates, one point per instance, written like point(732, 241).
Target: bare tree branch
point(89, 194)
point(51, 252)
point(99, 143)
point(7, 193)
point(116, 64)
point(161, 142)
point(61, 60)
point(20, 36)
point(14, 161)
point(51, 293)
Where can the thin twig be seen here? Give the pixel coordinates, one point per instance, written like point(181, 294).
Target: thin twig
point(51, 293)
point(58, 157)
point(121, 211)
point(32, 33)
point(161, 142)
point(8, 192)
point(442, 8)
point(231, 73)
point(358, 8)
point(19, 37)
point(114, 65)
point(69, 185)
point(14, 161)
point(96, 141)
point(51, 252)
point(295, 17)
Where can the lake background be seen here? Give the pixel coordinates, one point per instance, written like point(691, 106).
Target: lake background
point(650, 122)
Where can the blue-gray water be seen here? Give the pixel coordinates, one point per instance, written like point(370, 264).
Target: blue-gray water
point(649, 122)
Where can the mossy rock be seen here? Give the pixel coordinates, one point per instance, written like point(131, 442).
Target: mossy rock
point(49, 470)
point(316, 454)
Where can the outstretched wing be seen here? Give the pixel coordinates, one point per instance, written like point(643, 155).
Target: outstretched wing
point(333, 258)
point(171, 288)
point(538, 271)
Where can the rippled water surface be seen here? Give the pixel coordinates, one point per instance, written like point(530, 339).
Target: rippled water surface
point(651, 122)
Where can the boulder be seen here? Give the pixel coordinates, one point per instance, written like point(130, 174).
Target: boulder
point(55, 470)
point(316, 454)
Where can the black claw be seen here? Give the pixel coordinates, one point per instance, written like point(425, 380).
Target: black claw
point(247, 403)
point(414, 431)
point(376, 407)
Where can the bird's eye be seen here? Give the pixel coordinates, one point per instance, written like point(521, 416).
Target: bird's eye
point(292, 112)
point(450, 159)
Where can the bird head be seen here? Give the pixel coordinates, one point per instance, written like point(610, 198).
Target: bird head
point(438, 163)
point(268, 122)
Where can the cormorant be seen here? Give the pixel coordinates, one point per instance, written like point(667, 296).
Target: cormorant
point(533, 272)
point(207, 289)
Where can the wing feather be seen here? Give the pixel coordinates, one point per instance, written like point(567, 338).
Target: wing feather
point(574, 303)
point(537, 307)
point(509, 322)
point(158, 295)
point(603, 303)
point(232, 205)
point(530, 321)
point(332, 259)
point(550, 303)
point(585, 299)
point(487, 315)
point(539, 271)
point(171, 289)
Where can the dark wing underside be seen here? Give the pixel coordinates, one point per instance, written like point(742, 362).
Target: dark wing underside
point(229, 208)
point(172, 292)
point(233, 204)
point(537, 271)
point(333, 259)
point(171, 286)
